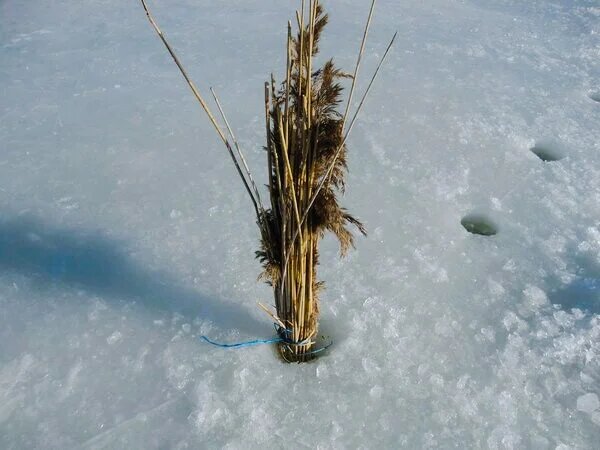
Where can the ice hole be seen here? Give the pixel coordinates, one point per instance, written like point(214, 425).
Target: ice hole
point(547, 152)
point(479, 224)
point(595, 96)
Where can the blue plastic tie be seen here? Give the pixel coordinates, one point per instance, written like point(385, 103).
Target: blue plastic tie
point(277, 340)
point(243, 344)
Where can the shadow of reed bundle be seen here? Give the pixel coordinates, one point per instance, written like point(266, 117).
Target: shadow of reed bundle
point(306, 158)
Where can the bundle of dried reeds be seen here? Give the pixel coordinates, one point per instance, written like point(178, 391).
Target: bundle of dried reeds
point(304, 135)
point(306, 153)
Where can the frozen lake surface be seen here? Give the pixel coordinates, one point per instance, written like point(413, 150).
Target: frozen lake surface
point(125, 233)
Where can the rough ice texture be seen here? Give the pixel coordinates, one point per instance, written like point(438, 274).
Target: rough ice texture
point(124, 233)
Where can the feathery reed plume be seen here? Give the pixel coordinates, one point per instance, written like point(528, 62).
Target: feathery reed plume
point(306, 158)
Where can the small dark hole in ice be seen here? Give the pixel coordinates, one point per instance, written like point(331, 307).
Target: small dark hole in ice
point(546, 154)
point(476, 224)
point(595, 96)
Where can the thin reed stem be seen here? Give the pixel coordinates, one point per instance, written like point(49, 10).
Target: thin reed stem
point(358, 60)
point(204, 105)
point(237, 147)
point(347, 134)
point(333, 161)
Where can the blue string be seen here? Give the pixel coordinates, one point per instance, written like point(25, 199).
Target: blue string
point(280, 330)
point(244, 344)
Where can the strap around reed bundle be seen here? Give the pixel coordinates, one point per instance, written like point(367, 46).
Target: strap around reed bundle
point(283, 338)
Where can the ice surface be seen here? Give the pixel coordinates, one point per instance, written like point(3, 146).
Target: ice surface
point(588, 403)
point(125, 234)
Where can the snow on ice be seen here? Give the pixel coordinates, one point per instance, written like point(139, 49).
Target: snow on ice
point(125, 235)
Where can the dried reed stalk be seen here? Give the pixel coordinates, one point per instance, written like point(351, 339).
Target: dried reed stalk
point(306, 157)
